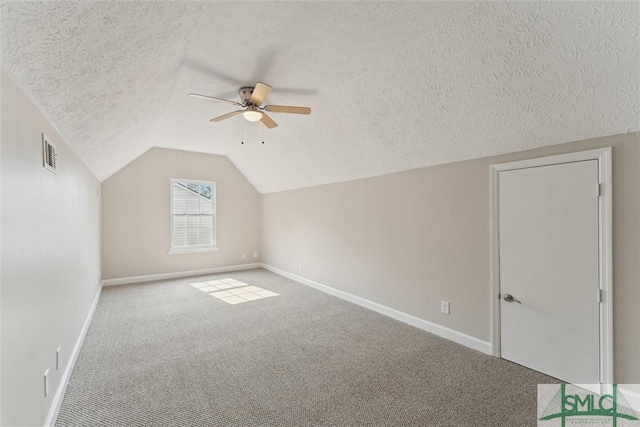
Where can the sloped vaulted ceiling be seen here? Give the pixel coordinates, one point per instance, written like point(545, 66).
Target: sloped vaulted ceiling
point(393, 86)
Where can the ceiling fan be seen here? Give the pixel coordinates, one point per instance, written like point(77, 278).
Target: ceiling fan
point(251, 99)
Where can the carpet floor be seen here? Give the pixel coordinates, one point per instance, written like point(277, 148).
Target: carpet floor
point(168, 354)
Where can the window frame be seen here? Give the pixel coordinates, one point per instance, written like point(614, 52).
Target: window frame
point(191, 249)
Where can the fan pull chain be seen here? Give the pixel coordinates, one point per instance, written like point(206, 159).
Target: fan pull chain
point(262, 134)
point(242, 139)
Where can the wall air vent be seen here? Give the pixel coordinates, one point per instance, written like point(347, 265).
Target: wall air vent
point(49, 156)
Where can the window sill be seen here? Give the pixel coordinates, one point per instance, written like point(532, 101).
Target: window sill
point(192, 250)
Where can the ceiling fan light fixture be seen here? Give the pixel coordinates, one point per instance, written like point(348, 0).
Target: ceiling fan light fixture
point(252, 115)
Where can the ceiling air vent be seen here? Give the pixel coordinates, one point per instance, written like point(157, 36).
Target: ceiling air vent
point(49, 155)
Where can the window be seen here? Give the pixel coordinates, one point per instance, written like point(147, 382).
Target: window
point(192, 215)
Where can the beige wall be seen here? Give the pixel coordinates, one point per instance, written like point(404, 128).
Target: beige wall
point(50, 257)
point(410, 239)
point(136, 228)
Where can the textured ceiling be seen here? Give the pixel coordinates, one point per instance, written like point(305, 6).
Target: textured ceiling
point(392, 86)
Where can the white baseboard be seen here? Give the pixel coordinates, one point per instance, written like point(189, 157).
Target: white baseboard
point(441, 331)
point(64, 381)
point(632, 397)
point(178, 274)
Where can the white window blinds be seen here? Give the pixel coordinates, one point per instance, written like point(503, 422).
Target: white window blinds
point(192, 214)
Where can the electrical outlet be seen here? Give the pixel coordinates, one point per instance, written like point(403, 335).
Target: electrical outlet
point(46, 383)
point(444, 307)
point(58, 358)
point(243, 256)
point(255, 254)
point(301, 266)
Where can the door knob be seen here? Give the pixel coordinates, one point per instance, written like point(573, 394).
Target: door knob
point(510, 298)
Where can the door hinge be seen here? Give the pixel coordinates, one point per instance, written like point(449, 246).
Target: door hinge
point(600, 295)
point(600, 189)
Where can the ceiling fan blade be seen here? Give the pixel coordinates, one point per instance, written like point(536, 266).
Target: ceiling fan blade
point(287, 109)
point(264, 64)
point(213, 98)
point(294, 91)
point(226, 116)
point(268, 121)
point(202, 67)
point(259, 93)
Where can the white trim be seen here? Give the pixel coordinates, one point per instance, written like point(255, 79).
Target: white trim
point(494, 259)
point(193, 250)
point(441, 331)
point(195, 181)
point(578, 156)
point(177, 274)
point(603, 156)
point(64, 381)
point(632, 397)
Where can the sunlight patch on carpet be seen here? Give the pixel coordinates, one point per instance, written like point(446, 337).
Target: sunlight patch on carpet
point(233, 291)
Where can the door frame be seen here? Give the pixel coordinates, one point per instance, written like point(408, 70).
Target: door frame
point(603, 156)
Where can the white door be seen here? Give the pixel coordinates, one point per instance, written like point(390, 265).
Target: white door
point(548, 229)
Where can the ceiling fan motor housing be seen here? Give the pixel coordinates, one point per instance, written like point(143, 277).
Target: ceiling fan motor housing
point(245, 94)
